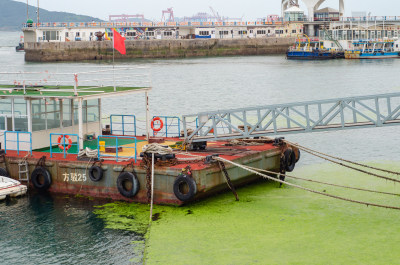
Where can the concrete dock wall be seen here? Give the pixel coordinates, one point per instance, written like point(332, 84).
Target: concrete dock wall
point(102, 50)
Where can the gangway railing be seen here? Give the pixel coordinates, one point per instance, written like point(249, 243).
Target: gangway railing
point(107, 144)
point(302, 117)
point(66, 143)
point(18, 141)
point(123, 124)
point(171, 126)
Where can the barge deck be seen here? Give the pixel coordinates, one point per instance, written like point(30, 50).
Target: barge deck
point(62, 141)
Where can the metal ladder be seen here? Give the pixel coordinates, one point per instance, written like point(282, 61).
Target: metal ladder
point(23, 171)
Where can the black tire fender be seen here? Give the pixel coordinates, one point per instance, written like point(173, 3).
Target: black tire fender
point(290, 159)
point(3, 172)
point(298, 155)
point(122, 179)
point(96, 173)
point(36, 181)
point(181, 180)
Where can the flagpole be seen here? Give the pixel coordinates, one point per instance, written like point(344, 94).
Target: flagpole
point(115, 88)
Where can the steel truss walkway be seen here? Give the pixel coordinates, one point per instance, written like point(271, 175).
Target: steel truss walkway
point(303, 117)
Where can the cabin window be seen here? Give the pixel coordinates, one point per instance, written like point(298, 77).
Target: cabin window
point(20, 118)
point(53, 114)
point(5, 112)
point(45, 114)
point(242, 32)
point(261, 32)
point(167, 33)
point(38, 115)
point(92, 107)
point(131, 34)
point(225, 32)
point(294, 31)
point(90, 111)
point(66, 113)
point(150, 33)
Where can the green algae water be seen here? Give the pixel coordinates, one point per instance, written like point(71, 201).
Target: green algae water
point(272, 225)
point(269, 225)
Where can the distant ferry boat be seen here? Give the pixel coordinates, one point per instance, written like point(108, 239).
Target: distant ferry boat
point(21, 45)
point(374, 49)
point(307, 49)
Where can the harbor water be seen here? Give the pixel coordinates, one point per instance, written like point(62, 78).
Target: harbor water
point(44, 229)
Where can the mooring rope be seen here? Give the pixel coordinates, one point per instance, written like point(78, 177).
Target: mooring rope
point(308, 150)
point(344, 165)
point(303, 188)
point(325, 183)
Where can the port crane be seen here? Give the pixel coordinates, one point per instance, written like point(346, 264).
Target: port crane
point(170, 12)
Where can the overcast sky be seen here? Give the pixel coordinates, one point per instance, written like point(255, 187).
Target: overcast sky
point(251, 9)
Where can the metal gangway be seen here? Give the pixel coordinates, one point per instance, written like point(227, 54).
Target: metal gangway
point(302, 117)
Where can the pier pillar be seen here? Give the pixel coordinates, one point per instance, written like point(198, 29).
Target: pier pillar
point(147, 116)
point(80, 121)
point(29, 114)
point(310, 30)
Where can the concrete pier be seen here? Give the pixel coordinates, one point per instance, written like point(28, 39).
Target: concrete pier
point(102, 50)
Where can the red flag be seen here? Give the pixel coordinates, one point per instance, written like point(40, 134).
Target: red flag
point(119, 42)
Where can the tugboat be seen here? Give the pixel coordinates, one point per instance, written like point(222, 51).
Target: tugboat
point(307, 49)
point(374, 49)
point(21, 46)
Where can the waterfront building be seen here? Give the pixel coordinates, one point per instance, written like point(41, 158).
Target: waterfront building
point(70, 32)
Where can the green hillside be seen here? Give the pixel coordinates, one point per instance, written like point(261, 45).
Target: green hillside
point(13, 15)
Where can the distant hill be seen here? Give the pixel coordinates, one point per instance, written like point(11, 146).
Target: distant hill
point(13, 15)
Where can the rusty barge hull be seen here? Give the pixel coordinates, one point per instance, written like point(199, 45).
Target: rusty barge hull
point(70, 176)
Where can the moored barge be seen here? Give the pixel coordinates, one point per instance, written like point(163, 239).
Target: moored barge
point(54, 138)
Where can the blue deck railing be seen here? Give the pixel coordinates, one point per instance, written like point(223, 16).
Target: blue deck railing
point(116, 142)
point(171, 126)
point(123, 124)
point(18, 141)
point(64, 142)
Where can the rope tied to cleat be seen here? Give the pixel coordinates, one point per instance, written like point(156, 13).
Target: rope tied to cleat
point(220, 159)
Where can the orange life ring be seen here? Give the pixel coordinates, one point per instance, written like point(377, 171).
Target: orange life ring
point(161, 124)
point(67, 140)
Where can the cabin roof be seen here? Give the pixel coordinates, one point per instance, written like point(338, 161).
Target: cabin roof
point(327, 10)
point(85, 92)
